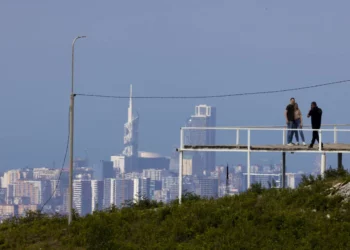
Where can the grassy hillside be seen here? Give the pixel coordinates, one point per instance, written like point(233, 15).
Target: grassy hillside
point(305, 218)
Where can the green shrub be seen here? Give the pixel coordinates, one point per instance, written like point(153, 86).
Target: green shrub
point(304, 218)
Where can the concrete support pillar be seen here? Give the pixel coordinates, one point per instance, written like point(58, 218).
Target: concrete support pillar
point(323, 163)
point(283, 169)
point(248, 161)
point(340, 160)
point(180, 175)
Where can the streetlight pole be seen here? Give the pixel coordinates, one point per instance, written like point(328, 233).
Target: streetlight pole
point(71, 134)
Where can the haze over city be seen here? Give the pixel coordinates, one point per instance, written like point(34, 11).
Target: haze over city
point(183, 49)
point(174, 124)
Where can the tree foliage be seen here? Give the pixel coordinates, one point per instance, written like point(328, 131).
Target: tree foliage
point(305, 218)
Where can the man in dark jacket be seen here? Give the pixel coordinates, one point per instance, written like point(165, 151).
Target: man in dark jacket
point(289, 115)
point(316, 116)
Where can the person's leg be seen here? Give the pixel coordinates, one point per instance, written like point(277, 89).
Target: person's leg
point(314, 136)
point(302, 135)
point(318, 137)
point(300, 131)
point(289, 133)
point(295, 131)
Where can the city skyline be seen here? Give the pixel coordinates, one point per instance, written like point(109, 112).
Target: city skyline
point(162, 50)
point(127, 178)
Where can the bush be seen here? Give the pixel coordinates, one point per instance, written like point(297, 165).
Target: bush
point(257, 219)
point(336, 173)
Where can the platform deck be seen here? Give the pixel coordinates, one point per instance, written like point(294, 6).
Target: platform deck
point(331, 147)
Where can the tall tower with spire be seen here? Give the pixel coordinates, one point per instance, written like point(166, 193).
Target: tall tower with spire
point(131, 128)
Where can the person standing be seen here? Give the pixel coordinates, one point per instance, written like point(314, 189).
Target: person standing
point(298, 119)
point(316, 116)
point(289, 115)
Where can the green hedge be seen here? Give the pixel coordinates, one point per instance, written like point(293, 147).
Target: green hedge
point(305, 218)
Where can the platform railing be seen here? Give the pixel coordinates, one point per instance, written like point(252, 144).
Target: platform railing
point(284, 131)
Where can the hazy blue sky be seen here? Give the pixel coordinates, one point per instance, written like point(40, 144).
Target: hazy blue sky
point(163, 48)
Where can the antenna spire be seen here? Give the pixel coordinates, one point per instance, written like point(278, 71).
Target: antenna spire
point(130, 105)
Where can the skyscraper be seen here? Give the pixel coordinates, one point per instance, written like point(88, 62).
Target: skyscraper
point(131, 131)
point(131, 141)
point(96, 195)
point(124, 191)
point(109, 189)
point(107, 170)
point(207, 187)
point(82, 196)
point(205, 116)
point(141, 189)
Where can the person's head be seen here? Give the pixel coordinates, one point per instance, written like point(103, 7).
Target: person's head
point(292, 100)
point(313, 105)
point(296, 106)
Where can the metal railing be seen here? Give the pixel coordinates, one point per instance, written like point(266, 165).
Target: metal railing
point(283, 129)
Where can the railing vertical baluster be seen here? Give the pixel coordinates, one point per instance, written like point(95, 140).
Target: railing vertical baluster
point(248, 160)
point(180, 164)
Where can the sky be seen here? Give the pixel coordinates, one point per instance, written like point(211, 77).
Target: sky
point(182, 48)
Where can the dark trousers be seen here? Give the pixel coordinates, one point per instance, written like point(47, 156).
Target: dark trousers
point(315, 136)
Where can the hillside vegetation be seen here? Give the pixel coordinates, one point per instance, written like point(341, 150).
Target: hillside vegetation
point(310, 217)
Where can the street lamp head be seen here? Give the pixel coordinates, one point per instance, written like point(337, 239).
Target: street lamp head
point(82, 37)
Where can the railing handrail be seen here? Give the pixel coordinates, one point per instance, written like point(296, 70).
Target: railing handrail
point(264, 129)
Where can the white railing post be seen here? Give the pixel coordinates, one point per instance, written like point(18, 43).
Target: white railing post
point(237, 136)
point(320, 139)
point(248, 161)
point(284, 136)
point(323, 163)
point(180, 176)
point(180, 165)
point(181, 138)
point(335, 135)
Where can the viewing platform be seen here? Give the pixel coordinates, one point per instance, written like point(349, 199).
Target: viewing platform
point(328, 136)
point(327, 147)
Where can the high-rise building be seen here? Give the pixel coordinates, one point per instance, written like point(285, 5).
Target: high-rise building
point(170, 185)
point(142, 188)
point(207, 187)
point(109, 194)
point(10, 177)
point(118, 163)
point(38, 191)
point(266, 180)
point(174, 162)
point(124, 191)
point(154, 174)
point(56, 191)
point(155, 186)
point(205, 116)
point(107, 170)
point(148, 160)
point(23, 209)
point(83, 173)
point(26, 174)
point(46, 173)
point(96, 195)
point(80, 163)
point(131, 132)
point(82, 196)
point(3, 195)
point(187, 164)
point(293, 180)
